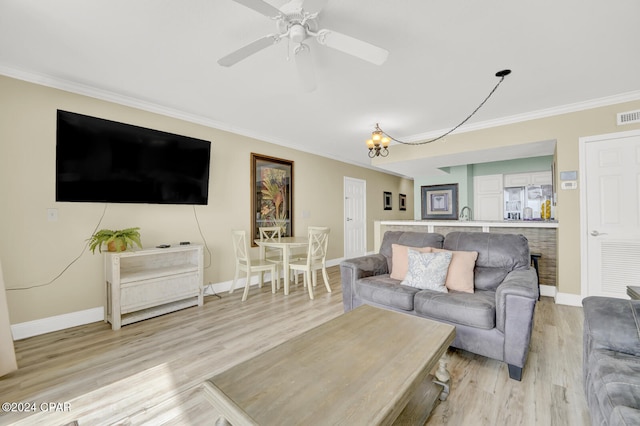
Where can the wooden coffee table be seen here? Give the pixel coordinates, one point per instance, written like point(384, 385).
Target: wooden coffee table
point(369, 366)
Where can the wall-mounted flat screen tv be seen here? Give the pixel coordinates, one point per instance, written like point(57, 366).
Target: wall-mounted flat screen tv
point(105, 161)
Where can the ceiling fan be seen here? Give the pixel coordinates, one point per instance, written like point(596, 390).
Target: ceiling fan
point(297, 21)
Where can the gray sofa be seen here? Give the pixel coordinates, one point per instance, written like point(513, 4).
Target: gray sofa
point(495, 321)
point(611, 365)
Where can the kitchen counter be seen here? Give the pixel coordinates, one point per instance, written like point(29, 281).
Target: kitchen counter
point(540, 233)
point(474, 223)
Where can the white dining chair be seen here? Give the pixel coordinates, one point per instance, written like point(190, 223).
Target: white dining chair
point(273, 255)
point(314, 260)
point(244, 262)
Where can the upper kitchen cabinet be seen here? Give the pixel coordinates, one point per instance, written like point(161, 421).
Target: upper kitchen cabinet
point(524, 179)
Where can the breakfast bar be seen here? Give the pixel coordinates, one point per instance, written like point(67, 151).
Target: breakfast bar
point(542, 236)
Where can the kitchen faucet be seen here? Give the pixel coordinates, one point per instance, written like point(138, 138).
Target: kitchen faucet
point(468, 216)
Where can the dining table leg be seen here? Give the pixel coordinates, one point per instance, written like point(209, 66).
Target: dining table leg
point(285, 266)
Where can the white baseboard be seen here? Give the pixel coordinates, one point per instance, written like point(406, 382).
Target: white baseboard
point(548, 290)
point(560, 298)
point(74, 319)
point(55, 323)
point(568, 299)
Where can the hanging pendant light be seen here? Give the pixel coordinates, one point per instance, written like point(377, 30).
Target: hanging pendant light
point(380, 139)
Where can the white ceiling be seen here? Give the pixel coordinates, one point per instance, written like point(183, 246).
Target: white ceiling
point(162, 55)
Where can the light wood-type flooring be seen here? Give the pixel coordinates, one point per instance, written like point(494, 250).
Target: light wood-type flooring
point(151, 372)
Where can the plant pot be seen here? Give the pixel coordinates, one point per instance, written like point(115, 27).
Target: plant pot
point(117, 245)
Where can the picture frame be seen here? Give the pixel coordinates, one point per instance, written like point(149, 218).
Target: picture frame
point(386, 200)
point(271, 194)
point(402, 202)
point(439, 202)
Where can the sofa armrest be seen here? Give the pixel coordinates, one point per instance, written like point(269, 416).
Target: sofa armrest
point(521, 283)
point(516, 300)
point(612, 324)
point(351, 270)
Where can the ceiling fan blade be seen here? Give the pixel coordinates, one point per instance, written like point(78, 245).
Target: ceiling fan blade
point(260, 7)
point(248, 50)
point(306, 71)
point(353, 46)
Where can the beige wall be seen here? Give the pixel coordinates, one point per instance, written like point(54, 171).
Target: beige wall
point(34, 251)
point(566, 129)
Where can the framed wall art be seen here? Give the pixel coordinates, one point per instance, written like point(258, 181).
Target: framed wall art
point(386, 200)
point(402, 202)
point(440, 201)
point(271, 194)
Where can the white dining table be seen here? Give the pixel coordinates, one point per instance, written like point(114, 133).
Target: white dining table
point(285, 244)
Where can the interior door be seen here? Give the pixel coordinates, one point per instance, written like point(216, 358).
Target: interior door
point(355, 217)
point(611, 219)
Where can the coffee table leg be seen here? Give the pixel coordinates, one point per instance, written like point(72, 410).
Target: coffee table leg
point(442, 378)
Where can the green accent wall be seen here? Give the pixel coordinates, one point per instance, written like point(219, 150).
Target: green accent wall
point(463, 176)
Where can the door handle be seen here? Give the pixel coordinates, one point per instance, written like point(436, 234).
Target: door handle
point(349, 219)
point(595, 233)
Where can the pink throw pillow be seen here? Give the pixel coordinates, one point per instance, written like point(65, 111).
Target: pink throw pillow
point(460, 274)
point(400, 259)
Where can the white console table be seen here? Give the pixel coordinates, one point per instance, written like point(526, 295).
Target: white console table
point(146, 283)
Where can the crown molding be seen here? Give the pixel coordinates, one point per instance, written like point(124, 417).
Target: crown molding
point(533, 115)
point(105, 95)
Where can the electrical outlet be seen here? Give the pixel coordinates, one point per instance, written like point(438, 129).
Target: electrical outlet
point(52, 215)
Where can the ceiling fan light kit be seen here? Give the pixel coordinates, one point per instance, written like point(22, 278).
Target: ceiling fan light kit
point(295, 23)
point(380, 139)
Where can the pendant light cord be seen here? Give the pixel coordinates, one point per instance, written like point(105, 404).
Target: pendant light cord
point(502, 74)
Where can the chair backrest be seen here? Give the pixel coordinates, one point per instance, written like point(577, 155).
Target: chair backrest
point(270, 232)
point(318, 242)
point(240, 246)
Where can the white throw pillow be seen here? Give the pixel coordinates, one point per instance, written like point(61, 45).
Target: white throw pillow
point(428, 270)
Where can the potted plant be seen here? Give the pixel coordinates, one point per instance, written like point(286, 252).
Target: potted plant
point(119, 240)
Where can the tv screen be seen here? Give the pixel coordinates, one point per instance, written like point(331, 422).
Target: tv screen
point(105, 161)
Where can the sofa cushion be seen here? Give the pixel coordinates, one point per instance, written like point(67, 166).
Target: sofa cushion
point(498, 254)
point(411, 239)
point(427, 270)
point(624, 416)
point(461, 270)
point(383, 290)
point(400, 259)
point(613, 379)
point(475, 310)
point(611, 323)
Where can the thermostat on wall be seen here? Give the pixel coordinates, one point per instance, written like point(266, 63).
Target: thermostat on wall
point(571, 184)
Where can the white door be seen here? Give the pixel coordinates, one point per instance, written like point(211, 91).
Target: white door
point(610, 202)
point(355, 217)
point(488, 194)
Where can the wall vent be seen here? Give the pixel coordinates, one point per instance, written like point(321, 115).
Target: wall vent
point(629, 117)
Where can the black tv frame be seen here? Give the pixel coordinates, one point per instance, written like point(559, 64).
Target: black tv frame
point(99, 160)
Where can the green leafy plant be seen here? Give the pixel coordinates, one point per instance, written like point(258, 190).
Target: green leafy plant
point(119, 240)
